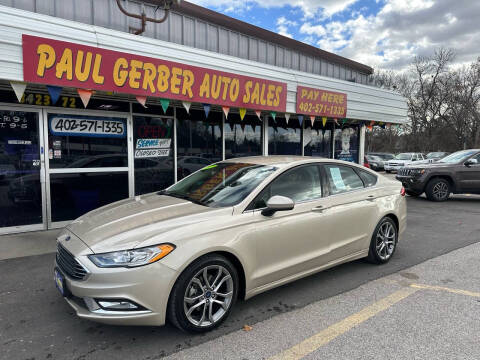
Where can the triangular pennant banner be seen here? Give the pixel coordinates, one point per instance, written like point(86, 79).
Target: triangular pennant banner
point(19, 88)
point(142, 100)
point(242, 111)
point(274, 114)
point(206, 108)
point(54, 92)
point(388, 125)
point(336, 121)
point(300, 119)
point(258, 113)
point(165, 103)
point(287, 117)
point(372, 123)
point(85, 95)
point(186, 105)
point(226, 110)
point(312, 120)
point(324, 121)
point(344, 121)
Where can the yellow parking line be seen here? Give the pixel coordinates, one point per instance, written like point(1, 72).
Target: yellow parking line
point(440, 288)
point(325, 336)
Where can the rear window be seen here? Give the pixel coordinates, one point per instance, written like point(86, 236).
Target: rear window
point(368, 178)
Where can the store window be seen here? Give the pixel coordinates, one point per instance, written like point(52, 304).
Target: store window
point(199, 140)
point(347, 143)
point(74, 194)
point(80, 141)
point(283, 138)
point(153, 142)
point(318, 140)
point(243, 138)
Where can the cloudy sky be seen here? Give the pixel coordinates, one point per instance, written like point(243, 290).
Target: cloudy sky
point(384, 34)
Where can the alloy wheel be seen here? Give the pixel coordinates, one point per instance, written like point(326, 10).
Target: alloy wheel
point(385, 241)
point(440, 190)
point(208, 296)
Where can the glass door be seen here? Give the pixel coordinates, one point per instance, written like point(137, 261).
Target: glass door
point(21, 171)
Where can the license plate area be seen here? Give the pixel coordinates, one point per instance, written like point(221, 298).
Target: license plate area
point(60, 282)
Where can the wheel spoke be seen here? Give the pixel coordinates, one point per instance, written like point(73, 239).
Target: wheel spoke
point(199, 283)
point(220, 271)
point(192, 300)
point(225, 278)
point(226, 295)
point(210, 315)
point(189, 312)
point(222, 304)
point(203, 315)
point(205, 277)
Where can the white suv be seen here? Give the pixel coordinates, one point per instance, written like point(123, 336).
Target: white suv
point(402, 160)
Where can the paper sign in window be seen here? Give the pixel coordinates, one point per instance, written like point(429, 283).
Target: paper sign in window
point(337, 179)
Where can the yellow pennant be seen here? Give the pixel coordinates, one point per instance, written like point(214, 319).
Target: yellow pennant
point(242, 111)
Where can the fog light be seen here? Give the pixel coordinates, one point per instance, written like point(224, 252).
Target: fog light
point(117, 305)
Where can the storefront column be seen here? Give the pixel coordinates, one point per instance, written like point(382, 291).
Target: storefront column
point(175, 176)
point(302, 139)
point(333, 140)
point(223, 136)
point(130, 154)
point(361, 144)
point(265, 135)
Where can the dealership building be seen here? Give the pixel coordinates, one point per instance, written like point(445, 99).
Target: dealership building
point(91, 113)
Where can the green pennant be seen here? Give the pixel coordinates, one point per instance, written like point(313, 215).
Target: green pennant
point(344, 121)
point(274, 114)
point(165, 103)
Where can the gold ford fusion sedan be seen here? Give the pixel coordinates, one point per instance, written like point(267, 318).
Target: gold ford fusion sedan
point(232, 229)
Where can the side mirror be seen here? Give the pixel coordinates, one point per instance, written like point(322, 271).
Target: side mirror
point(278, 203)
point(471, 162)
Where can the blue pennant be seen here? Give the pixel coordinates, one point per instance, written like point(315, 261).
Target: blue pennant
point(206, 108)
point(54, 92)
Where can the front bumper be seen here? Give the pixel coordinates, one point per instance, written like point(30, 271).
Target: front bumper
point(409, 182)
point(148, 286)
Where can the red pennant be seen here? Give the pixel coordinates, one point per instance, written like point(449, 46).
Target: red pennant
point(142, 100)
point(85, 95)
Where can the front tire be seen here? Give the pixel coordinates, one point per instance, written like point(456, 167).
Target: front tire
point(388, 171)
point(438, 190)
point(384, 241)
point(204, 294)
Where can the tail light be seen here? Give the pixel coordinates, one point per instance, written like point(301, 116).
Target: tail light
point(402, 191)
point(367, 165)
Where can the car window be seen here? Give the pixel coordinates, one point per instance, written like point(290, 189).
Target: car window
point(477, 158)
point(299, 184)
point(342, 179)
point(368, 178)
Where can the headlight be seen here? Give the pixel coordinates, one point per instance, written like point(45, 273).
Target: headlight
point(133, 257)
point(417, 171)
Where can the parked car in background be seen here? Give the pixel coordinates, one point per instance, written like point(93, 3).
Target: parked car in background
point(375, 162)
point(402, 160)
point(456, 173)
point(382, 155)
point(435, 156)
point(232, 229)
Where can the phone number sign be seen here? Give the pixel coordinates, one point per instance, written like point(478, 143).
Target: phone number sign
point(90, 126)
point(319, 102)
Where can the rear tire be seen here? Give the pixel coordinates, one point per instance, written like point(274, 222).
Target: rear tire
point(388, 171)
point(438, 190)
point(204, 294)
point(384, 241)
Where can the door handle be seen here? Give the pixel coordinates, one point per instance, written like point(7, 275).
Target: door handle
point(320, 208)
point(371, 197)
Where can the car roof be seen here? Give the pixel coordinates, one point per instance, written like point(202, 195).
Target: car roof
point(283, 160)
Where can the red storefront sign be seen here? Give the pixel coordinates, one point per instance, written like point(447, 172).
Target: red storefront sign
point(321, 102)
point(61, 63)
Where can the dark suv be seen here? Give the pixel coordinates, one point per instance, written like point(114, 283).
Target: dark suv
point(458, 173)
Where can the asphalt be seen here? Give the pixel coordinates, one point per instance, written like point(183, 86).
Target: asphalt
point(36, 323)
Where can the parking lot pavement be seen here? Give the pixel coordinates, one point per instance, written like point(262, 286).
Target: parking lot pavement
point(35, 322)
point(429, 311)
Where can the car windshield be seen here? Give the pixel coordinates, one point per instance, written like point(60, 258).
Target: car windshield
point(403, 156)
point(434, 155)
point(374, 158)
point(458, 156)
point(220, 185)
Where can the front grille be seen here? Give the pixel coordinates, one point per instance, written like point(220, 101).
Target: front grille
point(67, 263)
point(405, 172)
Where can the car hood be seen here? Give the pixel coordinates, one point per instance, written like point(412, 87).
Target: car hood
point(431, 165)
point(133, 222)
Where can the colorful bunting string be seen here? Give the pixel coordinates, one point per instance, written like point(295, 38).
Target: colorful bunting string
point(85, 95)
point(287, 117)
point(324, 121)
point(300, 119)
point(186, 105)
point(242, 112)
point(274, 114)
point(258, 113)
point(165, 103)
point(142, 100)
point(19, 88)
point(226, 110)
point(54, 92)
point(206, 108)
point(312, 120)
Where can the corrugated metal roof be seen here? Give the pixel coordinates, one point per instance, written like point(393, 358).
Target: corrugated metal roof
point(364, 102)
